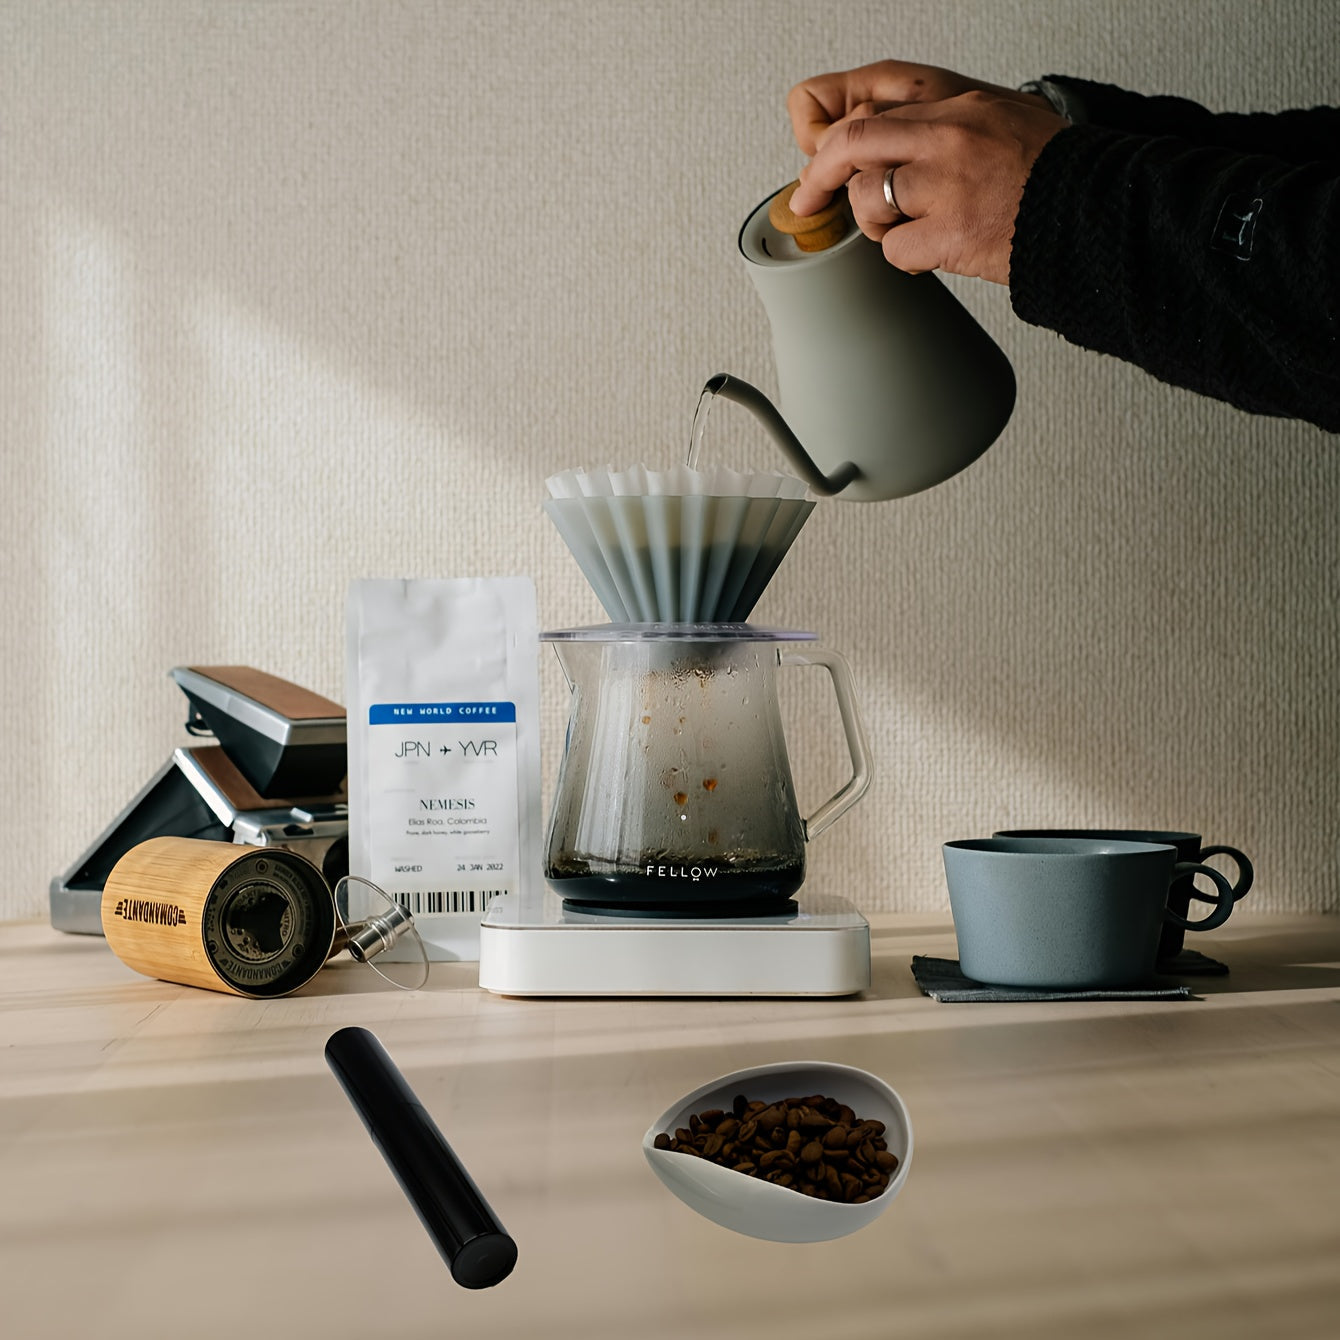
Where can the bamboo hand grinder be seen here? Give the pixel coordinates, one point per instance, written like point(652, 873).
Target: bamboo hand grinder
point(252, 921)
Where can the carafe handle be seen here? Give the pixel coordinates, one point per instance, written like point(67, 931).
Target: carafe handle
point(855, 787)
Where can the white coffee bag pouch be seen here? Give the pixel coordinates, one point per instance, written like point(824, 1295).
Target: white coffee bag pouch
point(444, 765)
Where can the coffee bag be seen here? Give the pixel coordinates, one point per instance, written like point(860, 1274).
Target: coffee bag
point(444, 771)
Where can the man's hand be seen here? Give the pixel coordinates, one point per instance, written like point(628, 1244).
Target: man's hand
point(959, 168)
point(818, 104)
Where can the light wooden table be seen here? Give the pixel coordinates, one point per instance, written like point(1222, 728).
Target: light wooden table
point(179, 1163)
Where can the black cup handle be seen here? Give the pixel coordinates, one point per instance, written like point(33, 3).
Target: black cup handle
point(1223, 901)
point(1246, 873)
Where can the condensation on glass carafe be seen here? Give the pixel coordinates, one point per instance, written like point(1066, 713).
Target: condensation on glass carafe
point(675, 792)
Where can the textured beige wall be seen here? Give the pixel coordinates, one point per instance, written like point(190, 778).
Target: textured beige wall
point(295, 293)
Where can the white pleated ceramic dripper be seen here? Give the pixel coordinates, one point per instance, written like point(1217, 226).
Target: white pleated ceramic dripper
point(678, 545)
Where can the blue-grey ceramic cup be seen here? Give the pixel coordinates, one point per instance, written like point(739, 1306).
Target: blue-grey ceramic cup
point(1183, 889)
point(1067, 912)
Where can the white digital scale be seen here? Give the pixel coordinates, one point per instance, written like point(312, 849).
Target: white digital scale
point(536, 945)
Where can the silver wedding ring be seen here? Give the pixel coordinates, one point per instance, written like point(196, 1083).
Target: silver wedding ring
point(889, 198)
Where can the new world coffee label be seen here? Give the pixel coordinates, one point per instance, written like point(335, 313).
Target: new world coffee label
point(443, 803)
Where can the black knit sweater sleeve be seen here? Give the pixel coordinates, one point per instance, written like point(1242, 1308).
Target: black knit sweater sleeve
point(1213, 268)
point(1300, 136)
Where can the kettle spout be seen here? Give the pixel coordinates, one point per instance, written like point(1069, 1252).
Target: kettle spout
point(742, 393)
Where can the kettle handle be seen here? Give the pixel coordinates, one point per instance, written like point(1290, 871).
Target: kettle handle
point(742, 393)
point(855, 787)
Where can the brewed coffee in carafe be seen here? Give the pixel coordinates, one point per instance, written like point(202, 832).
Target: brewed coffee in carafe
point(675, 792)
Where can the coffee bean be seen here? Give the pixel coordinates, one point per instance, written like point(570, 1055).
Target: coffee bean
point(814, 1145)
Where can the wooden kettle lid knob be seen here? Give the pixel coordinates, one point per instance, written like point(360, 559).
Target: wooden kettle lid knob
point(812, 232)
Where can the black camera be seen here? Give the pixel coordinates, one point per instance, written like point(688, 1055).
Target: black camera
point(272, 776)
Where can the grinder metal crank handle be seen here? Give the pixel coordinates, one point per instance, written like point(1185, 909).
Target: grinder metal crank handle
point(450, 1206)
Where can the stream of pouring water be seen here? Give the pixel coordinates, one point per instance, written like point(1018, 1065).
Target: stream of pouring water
point(700, 413)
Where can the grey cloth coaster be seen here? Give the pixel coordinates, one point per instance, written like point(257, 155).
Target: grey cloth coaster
point(942, 979)
point(1191, 963)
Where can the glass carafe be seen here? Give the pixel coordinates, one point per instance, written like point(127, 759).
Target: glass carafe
point(675, 793)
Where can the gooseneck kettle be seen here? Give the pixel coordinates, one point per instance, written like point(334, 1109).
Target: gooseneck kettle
point(888, 386)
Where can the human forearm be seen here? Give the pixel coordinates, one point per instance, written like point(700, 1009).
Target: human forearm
point(1299, 136)
point(1128, 245)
